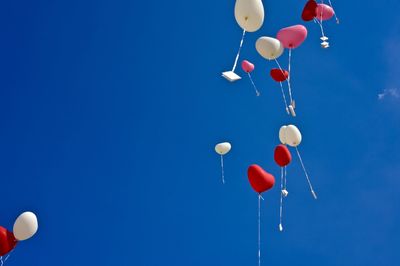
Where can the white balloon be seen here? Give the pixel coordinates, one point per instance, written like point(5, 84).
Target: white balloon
point(25, 226)
point(269, 48)
point(293, 136)
point(282, 134)
point(249, 14)
point(223, 148)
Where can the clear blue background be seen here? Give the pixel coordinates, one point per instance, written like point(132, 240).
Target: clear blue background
point(110, 111)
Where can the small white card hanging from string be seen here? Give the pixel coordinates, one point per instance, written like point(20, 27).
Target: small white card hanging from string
point(248, 68)
point(250, 17)
point(284, 193)
point(282, 157)
point(231, 75)
point(222, 149)
point(324, 12)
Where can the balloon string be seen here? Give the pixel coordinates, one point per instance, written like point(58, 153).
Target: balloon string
point(284, 98)
point(305, 172)
point(222, 169)
point(259, 229)
point(285, 178)
point(289, 78)
point(254, 85)
point(321, 21)
point(334, 12)
point(277, 62)
point(3, 261)
point(238, 53)
point(283, 93)
point(281, 202)
point(321, 27)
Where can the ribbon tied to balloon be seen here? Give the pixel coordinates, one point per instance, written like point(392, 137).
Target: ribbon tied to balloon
point(248, 68)
point(222, 149)
point(261, 181)
point(271, 48)
point(249, 15)
point(282, 157)
point(291, 38)
point(290, 135)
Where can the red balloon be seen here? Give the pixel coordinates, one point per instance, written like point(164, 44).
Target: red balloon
point(282, 155)
point(279, 75)
point(259, 179)
point(7, 241)
point(309, 11)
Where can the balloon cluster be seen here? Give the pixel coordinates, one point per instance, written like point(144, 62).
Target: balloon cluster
point(319, 13)
point(25, 226)
point(249, 15)
point(272, 48)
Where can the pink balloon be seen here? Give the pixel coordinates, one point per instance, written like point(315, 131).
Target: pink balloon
point(293, 36)
point(324, 12)
point(247, 66)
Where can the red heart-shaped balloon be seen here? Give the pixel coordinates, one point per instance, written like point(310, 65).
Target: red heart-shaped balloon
point(279, 75)
point(7, 241)
point(282, 155)
point(259, 179)
point(309, 11)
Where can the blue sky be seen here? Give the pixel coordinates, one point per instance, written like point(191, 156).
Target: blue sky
point(110, 112)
